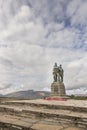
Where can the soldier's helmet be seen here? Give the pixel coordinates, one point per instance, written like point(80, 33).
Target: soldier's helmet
point(55, 65)
point(60, 65)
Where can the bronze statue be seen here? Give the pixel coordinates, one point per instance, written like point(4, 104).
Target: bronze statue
point(58, 73)
point(61, 72)
point(55, 72)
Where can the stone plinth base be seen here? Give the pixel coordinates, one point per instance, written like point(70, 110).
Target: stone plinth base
point(58, 90)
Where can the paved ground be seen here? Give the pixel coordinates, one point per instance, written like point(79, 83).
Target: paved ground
point(34, 124)
point(76, 103)
point(41, 124)
point(53, 127)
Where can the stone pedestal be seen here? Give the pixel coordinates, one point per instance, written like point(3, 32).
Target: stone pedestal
point(58, 89)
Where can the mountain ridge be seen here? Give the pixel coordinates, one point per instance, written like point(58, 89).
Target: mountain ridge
point(31, 94)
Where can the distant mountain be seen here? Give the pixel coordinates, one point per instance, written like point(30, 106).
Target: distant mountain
point(1, 95)
point(31, 94)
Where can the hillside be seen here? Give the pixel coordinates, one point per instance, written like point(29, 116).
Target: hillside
point(31, 94)
point(1, 95)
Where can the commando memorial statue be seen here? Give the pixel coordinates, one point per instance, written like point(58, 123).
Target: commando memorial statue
point(57, 87)
point(58, 73)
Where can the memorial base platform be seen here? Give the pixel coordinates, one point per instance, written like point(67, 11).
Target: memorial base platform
point(56, 98)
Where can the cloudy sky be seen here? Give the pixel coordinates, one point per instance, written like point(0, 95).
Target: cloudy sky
point(34, 34)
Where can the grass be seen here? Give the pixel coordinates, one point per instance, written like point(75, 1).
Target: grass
point(78, 97)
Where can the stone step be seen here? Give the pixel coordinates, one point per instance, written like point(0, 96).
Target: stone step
point(9, 122)
point(50, 105)
point(14, 122)
point(58, 116)
point(69, 112)
point(7, 108)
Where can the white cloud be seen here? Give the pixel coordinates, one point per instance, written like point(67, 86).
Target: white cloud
point(77, 11)
point(33, 36)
